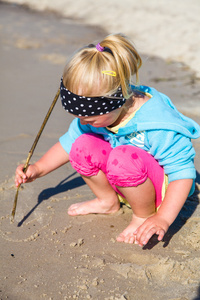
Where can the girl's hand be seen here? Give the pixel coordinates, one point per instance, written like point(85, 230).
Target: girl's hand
point(21, 177)
point(153, 225)
point(159, 223)
point(54, 158)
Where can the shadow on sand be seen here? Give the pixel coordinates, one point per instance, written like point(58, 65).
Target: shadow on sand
point(63, 186)
point(198, 295)
point(185, 213)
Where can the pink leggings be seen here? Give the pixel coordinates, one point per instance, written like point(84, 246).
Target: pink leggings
point(124, 165)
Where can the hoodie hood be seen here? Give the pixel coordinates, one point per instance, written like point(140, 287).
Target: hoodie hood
point(160, 113)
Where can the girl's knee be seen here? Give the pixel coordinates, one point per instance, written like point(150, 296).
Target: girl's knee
point(83, 145)
point(89, 153)
point(126, 167)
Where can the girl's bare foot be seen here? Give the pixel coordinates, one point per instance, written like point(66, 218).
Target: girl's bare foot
point(127, 235)
point(94, 206)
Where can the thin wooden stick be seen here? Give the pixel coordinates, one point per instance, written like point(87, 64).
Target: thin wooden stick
point(32, 150)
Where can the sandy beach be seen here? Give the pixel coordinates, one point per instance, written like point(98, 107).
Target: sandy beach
point(167, 29)
point(45, 253)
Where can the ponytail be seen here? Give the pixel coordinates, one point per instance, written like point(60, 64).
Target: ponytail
point(90, 71)
point(127, 59)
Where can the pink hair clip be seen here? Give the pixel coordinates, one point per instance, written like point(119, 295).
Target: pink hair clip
point(100, 48)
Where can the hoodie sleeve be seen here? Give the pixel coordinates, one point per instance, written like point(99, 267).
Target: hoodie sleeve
point(74, 131)
point(174, 152)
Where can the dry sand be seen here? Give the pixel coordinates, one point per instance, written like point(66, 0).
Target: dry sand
point(166, 28)
point(46, 254)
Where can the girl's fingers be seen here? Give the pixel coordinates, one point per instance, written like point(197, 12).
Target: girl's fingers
point(145, 232)
point(141, 231)
point(148, 233)
point(161, 234)
point(19, 181)
point(19, 171)
point(145, 236)
point(20, 176)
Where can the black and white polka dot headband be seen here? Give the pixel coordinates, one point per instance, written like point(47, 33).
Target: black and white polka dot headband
point(90, 106)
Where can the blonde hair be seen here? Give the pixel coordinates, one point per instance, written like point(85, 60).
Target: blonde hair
point(83, 73)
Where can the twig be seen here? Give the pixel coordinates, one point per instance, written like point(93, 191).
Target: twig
point(32, 150)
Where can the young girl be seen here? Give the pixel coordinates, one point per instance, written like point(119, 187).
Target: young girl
point(127, 142)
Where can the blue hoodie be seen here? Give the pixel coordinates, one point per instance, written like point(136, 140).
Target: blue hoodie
point(158, 128)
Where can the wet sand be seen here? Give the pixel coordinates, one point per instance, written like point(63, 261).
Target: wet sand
point(46, 254)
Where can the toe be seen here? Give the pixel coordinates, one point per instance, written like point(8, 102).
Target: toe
point(128, 238)
point(131, 239)
point(72, 212)
point(120, 238)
